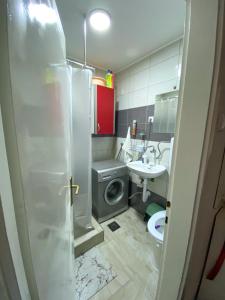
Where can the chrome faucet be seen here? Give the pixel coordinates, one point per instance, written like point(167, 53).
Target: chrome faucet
point(154, 153)
point(153, 150)
point(151, 146)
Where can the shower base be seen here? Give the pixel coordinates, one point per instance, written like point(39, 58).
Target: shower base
point(89, 240)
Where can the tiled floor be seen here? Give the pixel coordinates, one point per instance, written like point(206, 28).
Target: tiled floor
point(129, 251)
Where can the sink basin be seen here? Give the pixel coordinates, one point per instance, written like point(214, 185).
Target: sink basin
point(146, 170)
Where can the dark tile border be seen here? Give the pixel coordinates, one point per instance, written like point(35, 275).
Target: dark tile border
point(125, 117)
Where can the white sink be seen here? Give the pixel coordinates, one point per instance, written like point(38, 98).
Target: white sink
point(146, 170)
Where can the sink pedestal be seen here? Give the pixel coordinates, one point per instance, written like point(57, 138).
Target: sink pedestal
point(145, 193)
point(146, 171)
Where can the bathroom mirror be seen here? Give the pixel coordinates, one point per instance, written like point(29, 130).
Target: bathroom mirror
point(165, 112)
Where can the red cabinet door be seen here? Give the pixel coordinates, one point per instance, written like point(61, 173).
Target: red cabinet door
point(105, 110)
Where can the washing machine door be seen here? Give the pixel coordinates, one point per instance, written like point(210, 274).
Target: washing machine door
point(114, 191)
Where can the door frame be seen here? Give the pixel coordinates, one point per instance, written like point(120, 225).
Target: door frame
point(191, 142)
point(9, 282)
point(11, 262)
point(209, 203)
point(8, 137)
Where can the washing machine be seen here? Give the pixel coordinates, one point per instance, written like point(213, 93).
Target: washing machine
point(109, 189)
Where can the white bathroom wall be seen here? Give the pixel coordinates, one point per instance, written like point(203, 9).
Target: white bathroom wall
point(159, 73)
point(100, 72)
point(103, 148)
point(137, 86)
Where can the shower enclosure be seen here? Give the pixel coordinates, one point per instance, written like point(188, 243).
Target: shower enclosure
point(35, 103)
point(81, 149)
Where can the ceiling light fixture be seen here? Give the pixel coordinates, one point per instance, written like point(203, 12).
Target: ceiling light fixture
point(99, 19)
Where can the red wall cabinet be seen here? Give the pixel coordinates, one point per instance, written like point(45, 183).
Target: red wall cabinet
point(104, 110)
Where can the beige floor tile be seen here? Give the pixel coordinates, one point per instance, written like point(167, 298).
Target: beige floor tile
point(129, 251)
point(103, 294)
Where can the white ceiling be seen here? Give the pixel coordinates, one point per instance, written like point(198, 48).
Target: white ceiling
point(138, 28)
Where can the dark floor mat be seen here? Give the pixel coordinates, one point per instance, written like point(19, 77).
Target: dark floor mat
point(113, 226)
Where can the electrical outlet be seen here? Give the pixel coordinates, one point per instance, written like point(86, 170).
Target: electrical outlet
point(150, 119)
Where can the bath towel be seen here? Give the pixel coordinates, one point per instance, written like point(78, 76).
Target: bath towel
point(128, 155)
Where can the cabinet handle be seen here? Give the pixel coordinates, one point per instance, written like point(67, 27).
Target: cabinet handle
point(99, 127)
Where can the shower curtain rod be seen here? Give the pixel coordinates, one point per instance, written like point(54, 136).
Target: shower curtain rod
point(80, 64)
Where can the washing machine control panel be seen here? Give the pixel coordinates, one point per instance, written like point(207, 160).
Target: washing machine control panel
point(110, 174)
point(106, 178)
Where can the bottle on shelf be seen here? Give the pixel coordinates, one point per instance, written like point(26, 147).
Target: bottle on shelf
point(109, 79)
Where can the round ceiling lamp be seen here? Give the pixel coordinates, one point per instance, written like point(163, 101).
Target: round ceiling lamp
point(99, 19)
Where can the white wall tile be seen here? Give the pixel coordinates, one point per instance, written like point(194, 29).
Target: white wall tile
point(103, 148)
point(132, 100)
point(127, 101)
point(123, 102)
point(164, 54)
point(132, 82)
point(140, 97)
point(156, 74)
point(181, 45)
point(140, 66)
point(166, 70)
point(139, 86)
point(118, 88)
point(127, 85)
point(120, 103)
point(141, 80)
point(122, 87)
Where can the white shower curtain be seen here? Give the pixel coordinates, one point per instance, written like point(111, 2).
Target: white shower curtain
point(81, 149)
